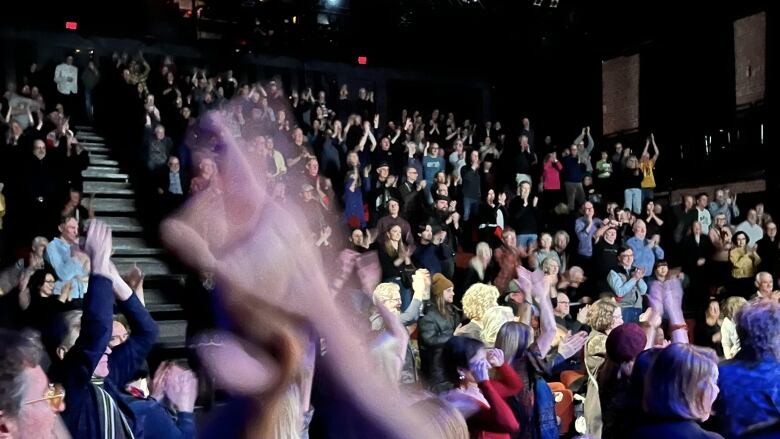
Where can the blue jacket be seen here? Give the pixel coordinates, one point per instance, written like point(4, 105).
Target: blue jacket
point(160, 421)
point(644, 256)
point(75, 371)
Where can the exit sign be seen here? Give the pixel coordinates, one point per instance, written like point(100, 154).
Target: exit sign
point(71, 25)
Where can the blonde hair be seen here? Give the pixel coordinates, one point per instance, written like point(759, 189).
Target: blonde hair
point(483, 249)
point(478, 299)
point(444, 419)
point(602, 314)
point(492, 322)
point(677, 383)
point(731, 306)
point(385, 291)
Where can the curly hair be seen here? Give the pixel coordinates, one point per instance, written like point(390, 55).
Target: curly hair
point(758, 327)
point(602, 314)
point(385, 291)
point(478, 299)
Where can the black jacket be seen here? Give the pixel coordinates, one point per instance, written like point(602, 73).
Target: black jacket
point(435, 329)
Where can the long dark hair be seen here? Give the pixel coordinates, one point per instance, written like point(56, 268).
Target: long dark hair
point(457, 353)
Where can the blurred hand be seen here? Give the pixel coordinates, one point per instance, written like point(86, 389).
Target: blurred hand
point(571, 344)
point(495, 357)
point(181, 389)
point(98, 246)
point(480, 370)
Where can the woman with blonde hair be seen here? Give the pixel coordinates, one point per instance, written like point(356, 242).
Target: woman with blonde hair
point(494, 319)
point(604, 316)
point(445, 419)
point(478, 266)
point(728, 329)
point(476, 301)
point(679, 391)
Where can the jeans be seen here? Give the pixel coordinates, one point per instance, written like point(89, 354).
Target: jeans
point(525, 239)
point(574, 192)
point(631, 315)
point(470, 207)
point(88, 101)
point(647, 194)
point(633, 199)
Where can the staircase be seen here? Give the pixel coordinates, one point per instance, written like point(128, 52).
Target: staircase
point(114, 203)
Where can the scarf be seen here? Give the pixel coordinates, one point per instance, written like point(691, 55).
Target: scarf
point(112, 421)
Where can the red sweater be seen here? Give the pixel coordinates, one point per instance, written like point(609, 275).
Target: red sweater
point(498, 421)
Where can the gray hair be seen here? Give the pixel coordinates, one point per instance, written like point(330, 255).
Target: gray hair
point(758, 327)
point(18, 351)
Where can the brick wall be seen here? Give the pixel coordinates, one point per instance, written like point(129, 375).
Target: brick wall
point(620, 94)
point(750, 58)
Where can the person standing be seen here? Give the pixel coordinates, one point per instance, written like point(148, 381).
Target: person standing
point(66, 77)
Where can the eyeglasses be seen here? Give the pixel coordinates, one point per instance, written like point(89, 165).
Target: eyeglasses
point(55, 394)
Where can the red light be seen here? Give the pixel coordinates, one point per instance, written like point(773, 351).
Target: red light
point(362, 60)
point(71, 25)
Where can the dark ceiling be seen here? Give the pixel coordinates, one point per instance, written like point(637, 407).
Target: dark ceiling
point(470, 34)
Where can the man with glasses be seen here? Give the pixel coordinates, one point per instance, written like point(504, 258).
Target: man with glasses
point(92, 372)
point(627, 284)
point(29, 404)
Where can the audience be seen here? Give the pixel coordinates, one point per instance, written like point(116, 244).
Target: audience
point(393, 206)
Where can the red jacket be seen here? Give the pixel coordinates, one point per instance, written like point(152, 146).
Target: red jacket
point(498, 421)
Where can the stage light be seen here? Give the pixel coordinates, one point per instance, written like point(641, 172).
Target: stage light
point(71, 25)
point(333, 3)
point(362, 60)
point(78, 50)
point(538, 2)
point(554, 3)
point(295, 19)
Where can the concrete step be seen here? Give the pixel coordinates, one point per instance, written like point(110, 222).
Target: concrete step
point(89, 137)
point(122, 224)
point(111, 205)
point(108, 188)
point(151, 266)
point(133, 247)
point(107, 175)
point(173, 334)
point(105, 168)
point(95, 160)
point(97, 149)
point(158, 301)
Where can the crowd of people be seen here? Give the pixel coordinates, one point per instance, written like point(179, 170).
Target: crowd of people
point(476, 271)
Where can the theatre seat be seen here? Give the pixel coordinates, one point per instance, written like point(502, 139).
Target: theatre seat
point(564, 406)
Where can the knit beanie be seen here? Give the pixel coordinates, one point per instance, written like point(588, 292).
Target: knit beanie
point(439, 283)
point(625, 342)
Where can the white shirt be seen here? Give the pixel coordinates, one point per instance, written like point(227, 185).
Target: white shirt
point(61, 75)
point(729, 338)
point(754, 232)
point(705, 219)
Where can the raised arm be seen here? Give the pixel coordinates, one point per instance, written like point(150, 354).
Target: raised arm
point(80, 361)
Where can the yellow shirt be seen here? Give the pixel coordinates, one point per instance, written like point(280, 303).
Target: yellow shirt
point(648, 182)
point(743, 264)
